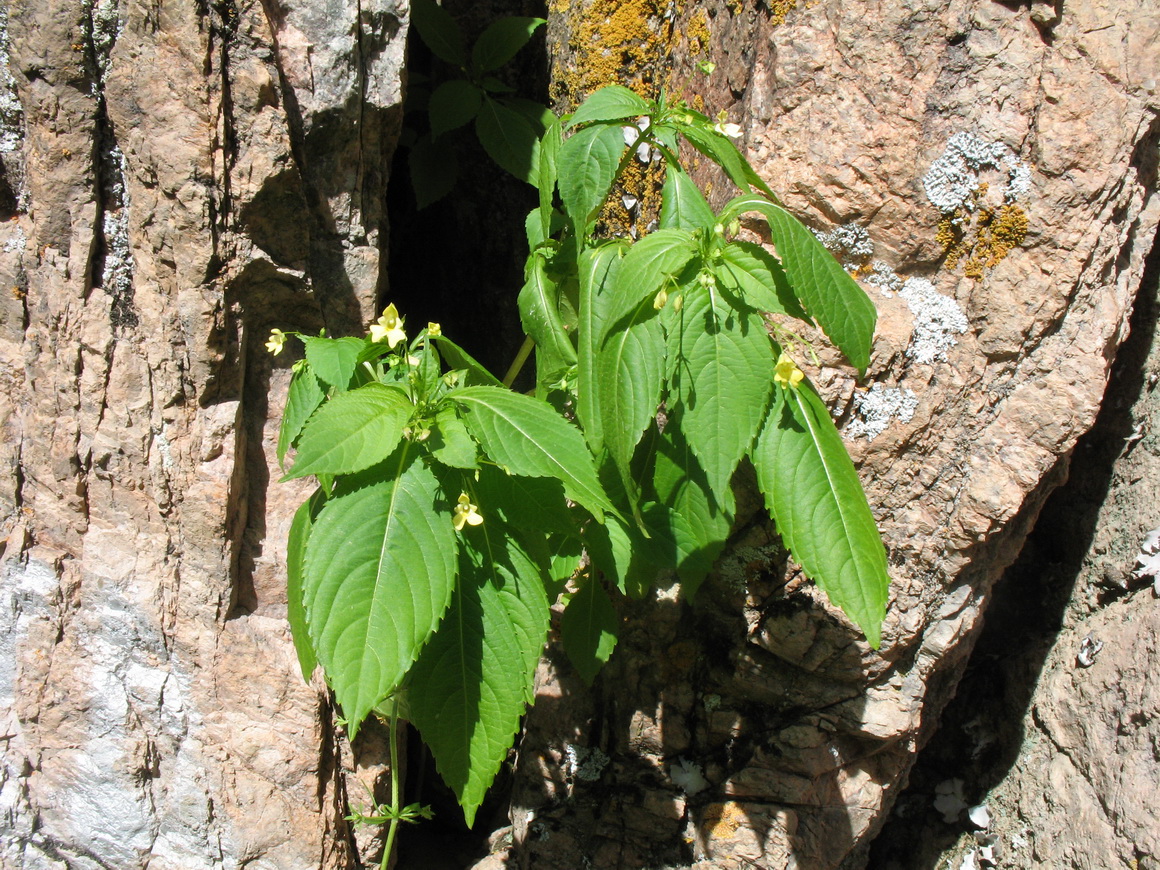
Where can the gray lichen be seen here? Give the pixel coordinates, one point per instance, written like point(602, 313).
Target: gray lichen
point(585, 763)
point(877, 407)
point(937, 318)
point(11, 112)
point(954, 175)
point(850, 243)
point(105, 26)
point(117, 276)
point(884, 278)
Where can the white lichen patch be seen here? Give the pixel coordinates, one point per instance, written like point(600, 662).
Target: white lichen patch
point(117, 280)
point(11, 112)
point(937, 319)
point(877, 407)
point(16, 242)
point(884, 278)
point(688, 776)
point(106, 27)
point(850, 243)
point(584, 763)
point(954, 175)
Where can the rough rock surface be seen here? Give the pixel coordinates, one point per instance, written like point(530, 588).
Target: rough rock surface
point(1055, 724)
point(184, 177)
point(990, 171)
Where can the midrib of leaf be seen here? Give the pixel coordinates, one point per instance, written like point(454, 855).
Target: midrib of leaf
point(834, 487)
point(373, 610)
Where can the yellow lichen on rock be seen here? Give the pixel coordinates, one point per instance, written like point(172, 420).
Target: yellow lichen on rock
point(698, 34)
point(980, 237)
point(778, 9)
point(724, 819)
point(612, 42)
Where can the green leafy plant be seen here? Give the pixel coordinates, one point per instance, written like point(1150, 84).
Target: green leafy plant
point(508, 127)
point(452, 511)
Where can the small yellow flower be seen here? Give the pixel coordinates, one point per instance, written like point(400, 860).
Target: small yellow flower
point(276, 342)
point(466, 514)
point(434, 329)
point(389, 327)
point(787, 373)
point(660, 299)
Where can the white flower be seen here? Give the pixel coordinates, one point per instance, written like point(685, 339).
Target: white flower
point(632, 133)
point(733, 131)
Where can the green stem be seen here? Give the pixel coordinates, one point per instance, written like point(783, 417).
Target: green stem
point(518, 362)
point(395, 797)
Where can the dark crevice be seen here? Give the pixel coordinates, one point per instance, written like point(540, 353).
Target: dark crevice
point(981, 730)
point(110, 263)
point(460, 262)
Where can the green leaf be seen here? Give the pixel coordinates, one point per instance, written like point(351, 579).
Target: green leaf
point(303, 398)
point(821, 512)
point(531, 503)
point(610, 103)
point(380, 569)
point(536, 114)
point(500, 41)
point(589, 628)
point(434, 170)
point(439, 31)
point(509, 139)
point(459, 359)
point(565, 552)
point(540, 312)
point(682, 205)
point(722, 364)
point(527, 436)
point(300, 528)
point(550, 144)
point(598, 268)
point(333, 359)
point(721, 150)
point(587, 166)
point(842, 308)
point(453, 104)
point(621, 552)
point(647, 268)
point(476, 675)
point(450, 442)
point(352, 431)
point(699, 522)
point(756, 273)
point(630, 371)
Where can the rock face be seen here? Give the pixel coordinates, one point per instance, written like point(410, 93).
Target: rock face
point(178, 178)
point(990, 172)
point(1054, 724)
point(182, 177)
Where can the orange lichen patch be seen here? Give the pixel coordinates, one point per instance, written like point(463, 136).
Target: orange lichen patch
point(625, 42)
point(642, 182)
point(614, 42)
point(981, 236)
point(778, 9)
point(723, 820)
point(698, 34)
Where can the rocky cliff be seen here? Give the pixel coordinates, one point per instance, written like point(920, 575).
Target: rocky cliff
point(179, 178)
